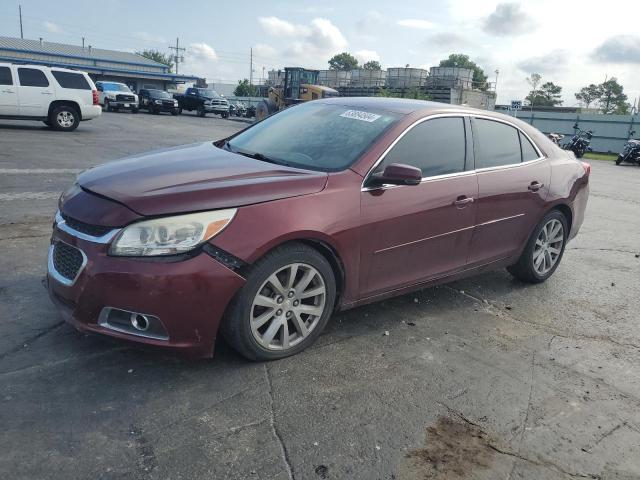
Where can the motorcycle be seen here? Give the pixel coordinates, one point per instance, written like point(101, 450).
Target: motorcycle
point(579, 143)
point(555, 138)
point(631, 151)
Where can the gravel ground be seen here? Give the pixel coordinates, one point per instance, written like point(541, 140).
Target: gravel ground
point(485, 378)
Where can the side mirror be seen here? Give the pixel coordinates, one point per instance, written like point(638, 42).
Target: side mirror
point(398, 174)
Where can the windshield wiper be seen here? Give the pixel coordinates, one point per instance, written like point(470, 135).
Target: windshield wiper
point(254, 155)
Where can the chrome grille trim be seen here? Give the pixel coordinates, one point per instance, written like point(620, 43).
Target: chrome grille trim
point(61, 224)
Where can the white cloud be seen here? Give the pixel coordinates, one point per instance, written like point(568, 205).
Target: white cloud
point(509, 19)
point(416, 23)
point(364, 56)
point(200, 59)
point(149, 37)
point(314, 43)
point(281, 28)
point(51, 27)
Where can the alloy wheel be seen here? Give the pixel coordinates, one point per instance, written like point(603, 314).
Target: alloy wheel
point(288, 306)
point(548, 247)
point(65, 119)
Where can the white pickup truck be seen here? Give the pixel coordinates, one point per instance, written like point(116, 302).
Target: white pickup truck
point(61, 98)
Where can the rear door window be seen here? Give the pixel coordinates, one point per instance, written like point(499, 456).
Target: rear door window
point(31, 77)
point(437, 147)
point(496, 144)
point(75, 81)
point(5, 76)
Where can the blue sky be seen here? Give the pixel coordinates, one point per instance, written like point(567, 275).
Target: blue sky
point(566, 42)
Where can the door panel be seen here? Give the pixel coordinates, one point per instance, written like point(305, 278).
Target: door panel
point(507, 209)
point(8, 92)
point(413, 233)
point(35, 92)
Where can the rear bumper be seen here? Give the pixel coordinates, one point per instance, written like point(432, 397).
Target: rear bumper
point(90, 111)
point(189, 297)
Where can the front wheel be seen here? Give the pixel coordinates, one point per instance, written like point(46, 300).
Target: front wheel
point(544, 249)
point(134, 110)
point(284, 306)
point(106, 107)
point(201, 111)
point(175, 112)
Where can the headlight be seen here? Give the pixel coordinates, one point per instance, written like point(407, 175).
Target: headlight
point(157, 101)
point(111, 96)
point(175, 103)
point(170, 235)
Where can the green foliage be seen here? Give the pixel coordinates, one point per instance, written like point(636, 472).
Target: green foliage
point(414, 93)
point(159, 57)
point(612, 98)
point(343, 61)
point(548, 95)
point(589, 94)
point(372, 65)
point(463, 61)
point(245, 89)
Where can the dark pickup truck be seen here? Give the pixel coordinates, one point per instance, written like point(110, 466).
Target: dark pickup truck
point(203, 101)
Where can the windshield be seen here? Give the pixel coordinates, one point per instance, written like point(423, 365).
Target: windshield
point(159, 94)
point(315, 136)
point(115, 87)
point(208, 93)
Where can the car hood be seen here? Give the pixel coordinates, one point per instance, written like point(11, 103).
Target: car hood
point(196, 177)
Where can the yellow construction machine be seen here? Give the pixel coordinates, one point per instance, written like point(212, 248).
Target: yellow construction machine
point(300, 85)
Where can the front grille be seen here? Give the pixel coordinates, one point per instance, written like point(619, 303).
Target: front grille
point(167, 103)
point(67, 260)
point(87, 229)
point(125, 98)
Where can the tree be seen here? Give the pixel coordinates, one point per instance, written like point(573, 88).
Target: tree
point(245, 89)
point(549, 95)
point(343, 61)
point(414, 93)
point(589, 94)
point(463, 61)
point(159, 57)
point(372, 65)
point(612, 98)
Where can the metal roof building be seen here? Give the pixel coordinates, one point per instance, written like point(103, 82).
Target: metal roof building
point(136, 71)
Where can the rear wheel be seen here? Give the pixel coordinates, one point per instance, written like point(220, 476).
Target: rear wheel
point(283, 307)
point(619, 160)
point(64, 118)
point(543, 251)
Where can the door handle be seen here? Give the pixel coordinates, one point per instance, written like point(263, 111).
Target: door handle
point(535, 186)
point(46, 93)
point(462, 201)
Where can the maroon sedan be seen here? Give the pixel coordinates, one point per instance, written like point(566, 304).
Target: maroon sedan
point(324, 206)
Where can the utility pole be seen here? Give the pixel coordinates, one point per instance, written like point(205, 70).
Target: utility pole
point(20, 12)
point(83, 43)
point(251, 66)
point(178, 49)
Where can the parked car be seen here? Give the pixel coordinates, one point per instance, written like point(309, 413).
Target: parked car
point(203, 101)
point(156, 101)
point(323, 206)
point(61, 98)
point(116, 96)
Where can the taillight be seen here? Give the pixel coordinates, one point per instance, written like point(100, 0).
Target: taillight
point(96, 99)
point(587, 168)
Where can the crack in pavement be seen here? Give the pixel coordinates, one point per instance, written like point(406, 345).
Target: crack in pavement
point(496, 310)
point(42, 333)
point(603, 249)
point(274, 426)
point(607, 434)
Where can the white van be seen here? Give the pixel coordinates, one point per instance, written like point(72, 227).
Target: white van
point(61, 98)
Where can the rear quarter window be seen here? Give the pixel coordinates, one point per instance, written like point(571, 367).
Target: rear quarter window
point(5, 76)
point(76, 81)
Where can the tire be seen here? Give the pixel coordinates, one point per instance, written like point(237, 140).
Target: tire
point(201, 111)
point(256, 343)
point(619, 160)
point(179, 110)
point(64, 118)
point(106, 107)
point(224, 115)
point(175, 112)
point(134, 110)
point(154, 111)
point(265, 108)
point(580, 154)
point(526, 269)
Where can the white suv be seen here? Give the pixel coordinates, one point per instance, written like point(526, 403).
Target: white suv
point(59, 97)
point(117, 96)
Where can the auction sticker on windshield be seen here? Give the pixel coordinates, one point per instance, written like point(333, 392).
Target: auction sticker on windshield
point(358, 115)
